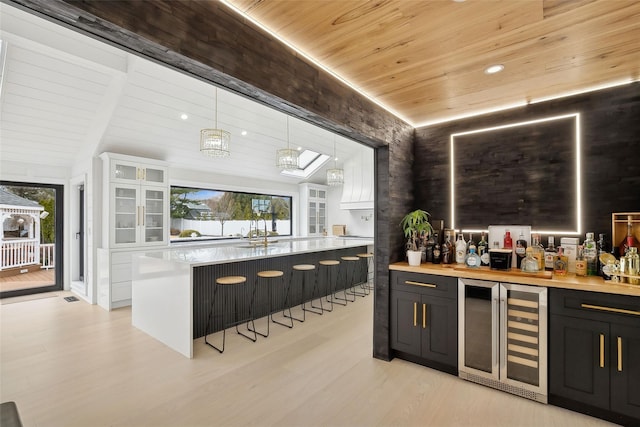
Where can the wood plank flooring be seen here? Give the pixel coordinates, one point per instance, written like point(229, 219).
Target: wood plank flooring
point(73, 364)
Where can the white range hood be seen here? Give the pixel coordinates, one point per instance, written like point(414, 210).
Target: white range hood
point(358, 188)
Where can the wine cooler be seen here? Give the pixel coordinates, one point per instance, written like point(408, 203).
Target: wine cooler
point(503, 336)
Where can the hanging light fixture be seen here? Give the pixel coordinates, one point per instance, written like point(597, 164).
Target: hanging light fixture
point(335, 176)
point(287, 158)
point(215, 142)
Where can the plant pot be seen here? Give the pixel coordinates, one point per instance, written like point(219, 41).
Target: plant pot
point(414, 258)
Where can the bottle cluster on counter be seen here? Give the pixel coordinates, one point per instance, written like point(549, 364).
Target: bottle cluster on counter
point(588, 257)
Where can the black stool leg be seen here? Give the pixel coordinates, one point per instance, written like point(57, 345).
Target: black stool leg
point(353, 283)
point(346, 286)
point(253, 299)
point(314, 291)
point(286, 306)
point(253, 338)
point(328, 287)
point(290, 316)
point(224, 326)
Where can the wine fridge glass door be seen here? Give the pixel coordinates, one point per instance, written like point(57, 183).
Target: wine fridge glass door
point(479, 327)
point(523, 352)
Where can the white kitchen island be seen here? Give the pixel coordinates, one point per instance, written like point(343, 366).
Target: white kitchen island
point(164, 280)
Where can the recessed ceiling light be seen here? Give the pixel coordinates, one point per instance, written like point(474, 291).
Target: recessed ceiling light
point(494, 69)
point(243, 133)
point(183, 116)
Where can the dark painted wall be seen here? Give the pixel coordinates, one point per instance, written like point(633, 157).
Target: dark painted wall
point(610, 125)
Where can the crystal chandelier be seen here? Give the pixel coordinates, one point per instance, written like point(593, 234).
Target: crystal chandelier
point(287, 158)
point(215, 142)
point(335, 176)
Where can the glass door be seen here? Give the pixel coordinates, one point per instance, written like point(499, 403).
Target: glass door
point(32, 238)
point(523, 348)
point(478, 327)
point(154, 214)
point(125, 205)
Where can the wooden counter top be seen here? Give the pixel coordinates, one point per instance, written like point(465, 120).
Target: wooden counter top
point(570, 281)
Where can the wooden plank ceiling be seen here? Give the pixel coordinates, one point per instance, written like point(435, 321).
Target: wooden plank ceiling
point(424, 60)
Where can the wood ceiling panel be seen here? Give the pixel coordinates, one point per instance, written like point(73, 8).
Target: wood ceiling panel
point(425, 59)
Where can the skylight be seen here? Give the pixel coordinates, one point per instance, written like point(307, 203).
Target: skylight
point(310, 162)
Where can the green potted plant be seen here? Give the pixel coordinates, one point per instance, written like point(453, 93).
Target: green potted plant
point(415, 225)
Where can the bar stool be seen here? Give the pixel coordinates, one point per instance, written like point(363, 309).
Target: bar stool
point(352, 264)
point(347, 267)
point(330, 265)
point(267, 276)
point(368, 258)
point(229, 282)
point(304, 269)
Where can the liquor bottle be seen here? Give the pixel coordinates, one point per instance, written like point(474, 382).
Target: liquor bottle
point(521, 249)
point(581, 262)
point(508, 241)
point(431, 242)
point(483, 250)
point(461, 249)
point(436, 249)
point(633, 265)
point(549, 253)
point(471, 243)
point(472, 260)
point(529, 263)
point(591, 255)
point(447, 253)
point(560, 263)
point(629, 240)
point(601, 245)
point(538, 251)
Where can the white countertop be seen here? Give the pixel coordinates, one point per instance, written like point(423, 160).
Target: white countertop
point(241, 250)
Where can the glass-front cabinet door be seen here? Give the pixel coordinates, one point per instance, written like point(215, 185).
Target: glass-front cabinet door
point(154, 216)
point(125, 212)
point(127, 172)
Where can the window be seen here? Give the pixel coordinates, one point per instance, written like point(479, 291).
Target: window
point(205, 214)
point(310, 161)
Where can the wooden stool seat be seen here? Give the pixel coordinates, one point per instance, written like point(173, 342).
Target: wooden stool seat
point(350, 258)
point(304, 267)
point(365, 255)
point(270, 274)
point(231, 280)
point(329, 262)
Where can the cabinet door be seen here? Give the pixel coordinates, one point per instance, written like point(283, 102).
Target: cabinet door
point(405, 317)
point(153, 222)
point(322, 217)
point(124, 172)
point(125, 214)
point(154, 175)
point(625, 370)
point(438, 318)
point(313, 218)
point(579, 361)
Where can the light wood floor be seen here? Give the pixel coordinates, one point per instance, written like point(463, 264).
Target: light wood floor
point(33, 279)
point(73, 364)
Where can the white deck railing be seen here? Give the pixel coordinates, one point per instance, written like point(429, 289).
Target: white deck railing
point(47, 255)
point(21, 252)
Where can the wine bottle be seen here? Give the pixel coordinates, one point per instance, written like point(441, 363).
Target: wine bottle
point(508, 241)
point(581, 262)
point(629, 240)
point(436, 249)
point(447, 254)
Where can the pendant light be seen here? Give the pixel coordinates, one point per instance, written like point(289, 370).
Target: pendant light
point(335, 176)
point(287, 158)
point(215, 142)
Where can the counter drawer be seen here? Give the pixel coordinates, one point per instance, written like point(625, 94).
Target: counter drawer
point(428, 284)
point(596, 306)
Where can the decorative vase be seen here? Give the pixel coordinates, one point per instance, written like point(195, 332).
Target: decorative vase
point(414, 258)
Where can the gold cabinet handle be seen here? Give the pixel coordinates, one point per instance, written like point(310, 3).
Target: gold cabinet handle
point(602, 350)
point(424, 316)
point(428, 285)
point(619, 354)
point(610, 309)
point(415, 314)
point(142, 216)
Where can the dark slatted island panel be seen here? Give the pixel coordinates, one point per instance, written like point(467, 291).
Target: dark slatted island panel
point(204, 282)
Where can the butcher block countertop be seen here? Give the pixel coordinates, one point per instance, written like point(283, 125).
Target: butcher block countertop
point(570, 281)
